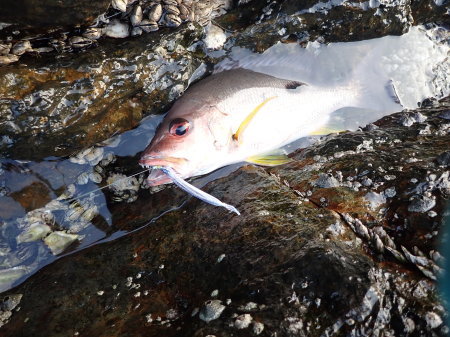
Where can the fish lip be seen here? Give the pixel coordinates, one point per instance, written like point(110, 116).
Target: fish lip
point(157, 177)
point(148, 161)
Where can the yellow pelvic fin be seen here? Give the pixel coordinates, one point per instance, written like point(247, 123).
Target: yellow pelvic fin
point(269, 160)
point(324, 131)
point(247, 119)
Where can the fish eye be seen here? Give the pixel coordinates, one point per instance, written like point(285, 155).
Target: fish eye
point(179, 127)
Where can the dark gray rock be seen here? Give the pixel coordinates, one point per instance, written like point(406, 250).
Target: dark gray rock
point(307, 268)
point(52, 103)
point(444, 159)
point(51, 13)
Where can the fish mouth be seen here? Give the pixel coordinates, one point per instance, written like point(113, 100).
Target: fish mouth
point(157, 176)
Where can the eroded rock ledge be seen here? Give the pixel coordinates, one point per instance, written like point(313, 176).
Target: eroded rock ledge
point(340, 241)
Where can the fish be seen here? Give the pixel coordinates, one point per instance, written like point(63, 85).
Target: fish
point(196, 192)
point(241, 115)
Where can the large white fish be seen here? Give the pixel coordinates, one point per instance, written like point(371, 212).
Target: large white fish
point(241, 115)
point(244, 114)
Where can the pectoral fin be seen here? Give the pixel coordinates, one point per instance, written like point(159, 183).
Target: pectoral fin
point(248, 119)
point(325, 130)
point(269, 160)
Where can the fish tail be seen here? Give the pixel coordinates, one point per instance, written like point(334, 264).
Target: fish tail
point(372, 90)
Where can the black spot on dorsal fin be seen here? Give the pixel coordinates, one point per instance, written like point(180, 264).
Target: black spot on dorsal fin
point(294, 85)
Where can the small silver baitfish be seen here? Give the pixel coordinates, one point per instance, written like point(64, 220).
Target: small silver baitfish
point(196, 192)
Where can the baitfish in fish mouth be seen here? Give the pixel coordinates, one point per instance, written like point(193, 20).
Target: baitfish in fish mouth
point(157, 176)
point(166, 174)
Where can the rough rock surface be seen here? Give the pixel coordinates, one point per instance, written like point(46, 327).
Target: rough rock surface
point(304, 259)
point(55, 103)
point(343, 241)
point(51, 12)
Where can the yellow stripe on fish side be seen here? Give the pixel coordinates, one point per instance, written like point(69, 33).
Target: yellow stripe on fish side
point(247, 120)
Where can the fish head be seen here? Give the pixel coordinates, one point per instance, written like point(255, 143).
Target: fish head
point(186, 142)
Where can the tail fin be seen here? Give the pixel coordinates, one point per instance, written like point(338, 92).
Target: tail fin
point(375, 91)
point(371, 102)
point(415, 64)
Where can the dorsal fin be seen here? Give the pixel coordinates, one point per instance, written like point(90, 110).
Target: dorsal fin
point(294, 85)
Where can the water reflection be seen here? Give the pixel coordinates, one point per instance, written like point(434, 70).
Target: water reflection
point(64, 199)
point(445, 277)
point(55, 205)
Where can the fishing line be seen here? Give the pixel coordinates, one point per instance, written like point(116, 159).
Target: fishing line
point(74, 198)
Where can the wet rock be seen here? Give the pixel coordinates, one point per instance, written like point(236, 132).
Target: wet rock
point(297, 21)
point(8, 304)
point(117, 29)
point(421, 204)
point(211, 310)
point(51, 13)
point(444, 159)
point(326, 180)
point(326, 245)
point(243, 321)
point(55, 101)
point(282, 265)
point(59, 241)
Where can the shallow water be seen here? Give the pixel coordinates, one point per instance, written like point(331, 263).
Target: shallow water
point(64, 194)
point(445, 262)
point(60, 196)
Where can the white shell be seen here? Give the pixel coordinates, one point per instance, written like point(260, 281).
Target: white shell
point(7, 59)
point(59, 241)
point(171, 9)
point(120, 5)
point(21, 47)
point(136, 31)
point(117, 29)
point(170, 2)
point(93, 33)
point(215, 37)
point(5, 48)
point(185, 13)
point(155, 13)
point(136, 16)
point(43, 50)
point(35, 232)
point(172, 20)
point(149, 26)
point(80, 41)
